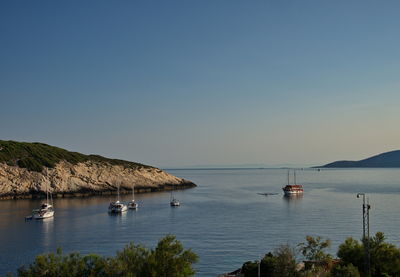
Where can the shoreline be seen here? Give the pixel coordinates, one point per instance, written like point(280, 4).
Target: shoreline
point(89, 193)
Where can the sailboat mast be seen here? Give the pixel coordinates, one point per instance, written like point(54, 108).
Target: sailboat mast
point(288, 176)
point(294, 173)
point(133, 192)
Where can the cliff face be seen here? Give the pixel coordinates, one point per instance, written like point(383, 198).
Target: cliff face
point(84, 178)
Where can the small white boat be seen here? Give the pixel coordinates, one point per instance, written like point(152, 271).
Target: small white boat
point(174, 202)
point(132, 204)
point(46, 209)
point(117, 207)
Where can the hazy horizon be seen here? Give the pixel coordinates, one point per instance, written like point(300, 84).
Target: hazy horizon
point(179, 84)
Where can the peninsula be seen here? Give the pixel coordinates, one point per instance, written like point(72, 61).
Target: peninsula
point(27, 169)
point(387, 159)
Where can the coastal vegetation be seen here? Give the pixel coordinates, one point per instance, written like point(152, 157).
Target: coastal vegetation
point(384, 257)
point(167, 259)
point(35, 156)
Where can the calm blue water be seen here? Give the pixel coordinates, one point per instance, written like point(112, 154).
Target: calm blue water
point(223, 220)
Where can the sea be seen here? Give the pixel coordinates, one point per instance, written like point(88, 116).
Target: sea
point(225, 219)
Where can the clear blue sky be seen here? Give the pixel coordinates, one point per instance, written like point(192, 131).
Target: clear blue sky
point(182, 83)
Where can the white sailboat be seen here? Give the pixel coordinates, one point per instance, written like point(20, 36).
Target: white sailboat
point(132, 204)
point(117, 207)
point(173, 201)
point(46, 209)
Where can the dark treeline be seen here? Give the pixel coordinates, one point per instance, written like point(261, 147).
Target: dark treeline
point(384, 260)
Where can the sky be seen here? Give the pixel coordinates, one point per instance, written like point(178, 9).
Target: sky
point(203, 83)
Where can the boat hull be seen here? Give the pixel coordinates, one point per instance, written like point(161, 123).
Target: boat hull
point(292, 192)
point(133, 206)
point(44, 215)
point(119, 210)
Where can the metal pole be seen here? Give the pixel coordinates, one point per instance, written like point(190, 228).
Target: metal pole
point(368, 207)
point(259, 268)
point(365, 238)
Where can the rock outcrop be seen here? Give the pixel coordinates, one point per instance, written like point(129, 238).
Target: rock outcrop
point(82, 179)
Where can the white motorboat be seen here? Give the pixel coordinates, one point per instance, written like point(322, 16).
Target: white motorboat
point(132, 204)
point(117, 207)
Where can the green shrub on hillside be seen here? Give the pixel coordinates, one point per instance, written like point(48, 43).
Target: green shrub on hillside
point(35, 156)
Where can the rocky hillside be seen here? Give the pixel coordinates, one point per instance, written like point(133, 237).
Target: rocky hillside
point(27, 169)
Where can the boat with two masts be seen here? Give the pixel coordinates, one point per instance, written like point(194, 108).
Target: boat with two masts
point(295, 189)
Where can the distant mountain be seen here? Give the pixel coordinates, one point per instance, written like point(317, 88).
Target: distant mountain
point(388, 159)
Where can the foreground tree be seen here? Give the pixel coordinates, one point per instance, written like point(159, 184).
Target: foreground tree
point(384, 257)
point(168, 259)
point(314, 249)
point(281, 263)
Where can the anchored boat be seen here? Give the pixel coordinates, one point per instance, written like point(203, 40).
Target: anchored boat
point(46, 209)
point(173, 201)
point(132, 204)
point(292, 189)
point(117, 207)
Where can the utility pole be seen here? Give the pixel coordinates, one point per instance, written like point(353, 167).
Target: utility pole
point(365, 209)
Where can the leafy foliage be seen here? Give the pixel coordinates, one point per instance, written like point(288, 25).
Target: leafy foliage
point(385, 257)
point(168, 259)
point(281, 263)
point(313, 249)
point(345, 271)
point(35, 156)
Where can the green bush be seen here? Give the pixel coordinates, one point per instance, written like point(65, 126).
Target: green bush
point(348, 270)
point(168, 259)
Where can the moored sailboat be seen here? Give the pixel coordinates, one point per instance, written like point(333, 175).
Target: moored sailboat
point(117, 206)
point(46, 209)
point(294, 189)
point(132, 204)
point(173, 201)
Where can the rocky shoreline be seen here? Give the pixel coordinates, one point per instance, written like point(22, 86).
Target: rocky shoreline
point(80, 194)
point(84, 179)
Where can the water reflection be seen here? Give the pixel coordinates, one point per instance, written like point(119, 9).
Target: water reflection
point(295, 198)
point(121, 217)
point(46, 228)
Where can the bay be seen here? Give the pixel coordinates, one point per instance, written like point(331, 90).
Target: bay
point(224, 220)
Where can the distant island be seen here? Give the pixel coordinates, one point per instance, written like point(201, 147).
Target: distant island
point(27, 170)
point(387, 159)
